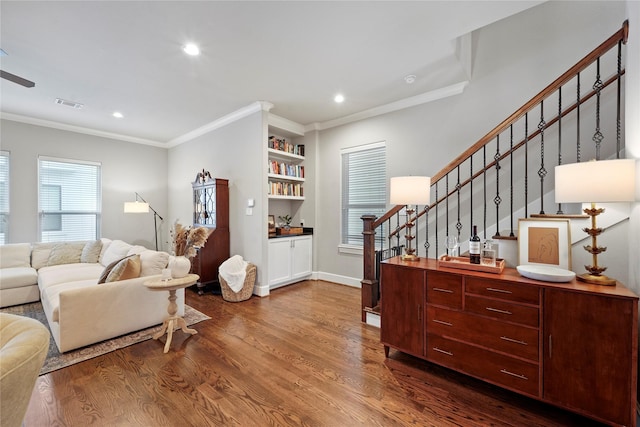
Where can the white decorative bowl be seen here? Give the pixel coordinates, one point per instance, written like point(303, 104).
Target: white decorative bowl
point(546, 273)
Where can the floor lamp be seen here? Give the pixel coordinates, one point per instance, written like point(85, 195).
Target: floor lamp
point(410, 190)
point(603, 181)
point(142, 206)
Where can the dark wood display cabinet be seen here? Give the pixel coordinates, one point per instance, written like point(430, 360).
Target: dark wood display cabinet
point(573, 344)
point(211, 210)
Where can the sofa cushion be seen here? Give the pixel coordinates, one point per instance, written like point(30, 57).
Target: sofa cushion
point(56, 274)
point(65, 253)
point(136, 250)
point(116, 250)
point(15, 255)
point(127, 268)
point(152, 262)
point(40, 254)
point(17, 277)
point(91, 251)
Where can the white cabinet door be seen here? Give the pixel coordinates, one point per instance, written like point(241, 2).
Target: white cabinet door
point(279, 260)
point(301, 257)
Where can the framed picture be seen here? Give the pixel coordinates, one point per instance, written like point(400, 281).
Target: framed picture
point(544, 242)
point(272, 223)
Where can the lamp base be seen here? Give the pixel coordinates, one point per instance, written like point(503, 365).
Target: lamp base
point(409, 257)
point(596, 280)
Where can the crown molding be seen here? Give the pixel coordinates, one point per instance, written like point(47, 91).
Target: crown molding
point(79, 129)
point(222, 121)
point(423, 98)
point(286, 125)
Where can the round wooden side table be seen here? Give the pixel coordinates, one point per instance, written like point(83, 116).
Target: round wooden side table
point(173, 321)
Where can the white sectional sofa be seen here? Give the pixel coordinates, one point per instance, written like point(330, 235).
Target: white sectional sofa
point(64, 276)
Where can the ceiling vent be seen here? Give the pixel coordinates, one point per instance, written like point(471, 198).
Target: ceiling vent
point(71, 104)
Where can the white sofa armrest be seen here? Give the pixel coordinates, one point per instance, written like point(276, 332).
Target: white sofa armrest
point(93, 314)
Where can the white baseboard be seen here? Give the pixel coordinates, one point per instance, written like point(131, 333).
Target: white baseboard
point(372, 319)
point(261, 290)
point(336, 278)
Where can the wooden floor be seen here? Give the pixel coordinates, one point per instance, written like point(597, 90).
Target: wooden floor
point(300, 357)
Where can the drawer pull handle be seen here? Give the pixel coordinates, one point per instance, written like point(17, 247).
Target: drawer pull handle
point(502, 291)
point(514, 341)
point(446, 291)
point(439, 350)
point(442, 322)
point(522, 377)
point(497, 310)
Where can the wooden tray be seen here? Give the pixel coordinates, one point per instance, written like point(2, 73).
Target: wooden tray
point(292, 230)
point(463, 263)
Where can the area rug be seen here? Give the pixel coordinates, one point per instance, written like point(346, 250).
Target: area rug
point(56, 360)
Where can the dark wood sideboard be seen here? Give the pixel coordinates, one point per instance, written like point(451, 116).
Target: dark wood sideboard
point(211, 209)
point(573, 345)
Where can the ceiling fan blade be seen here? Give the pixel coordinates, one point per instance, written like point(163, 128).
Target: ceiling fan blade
point(16, 79)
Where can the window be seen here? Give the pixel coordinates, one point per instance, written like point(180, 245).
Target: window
point(4, 197)
point(68, 199)
point(364, 188)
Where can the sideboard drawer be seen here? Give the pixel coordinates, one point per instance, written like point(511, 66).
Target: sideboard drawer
point(503, 310)
point(444, 289)
point(503, 290)
point(516, 340)
point(502, 370)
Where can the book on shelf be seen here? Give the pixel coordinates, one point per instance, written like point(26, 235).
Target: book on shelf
point(278, 188)
point(286, 169)
point(282, 144)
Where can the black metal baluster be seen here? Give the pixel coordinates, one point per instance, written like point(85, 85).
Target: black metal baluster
point(427, 245)
point(497, 200)
point(618, 145)
point(578, 102)
point(559, 212)
point(526, 165)
point(446, 181)
point(542, 172)
point(458, 187)
point(484, 184)
point(597, 86)
point(511, 178)
point(437, 205)
point(471, 192)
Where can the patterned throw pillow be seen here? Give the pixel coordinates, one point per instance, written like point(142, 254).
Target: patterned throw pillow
point(91, 251)
point(126, 268)
point(65, 253)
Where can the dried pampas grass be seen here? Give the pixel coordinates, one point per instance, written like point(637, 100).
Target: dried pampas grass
point(187, 239)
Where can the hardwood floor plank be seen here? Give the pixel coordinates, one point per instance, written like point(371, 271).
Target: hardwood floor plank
point(299, 357)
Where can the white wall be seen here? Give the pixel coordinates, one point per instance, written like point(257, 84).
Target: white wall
point(126, 168)
point(513, 60)
point(233, 152)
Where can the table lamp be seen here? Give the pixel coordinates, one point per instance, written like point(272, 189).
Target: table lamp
point(603, 181)
point(410, 190)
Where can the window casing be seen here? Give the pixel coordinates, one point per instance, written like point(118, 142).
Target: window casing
point(69, 199)
point(4, 197)
point(364, 189)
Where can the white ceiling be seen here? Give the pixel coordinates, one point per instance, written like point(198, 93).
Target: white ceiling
point(126, 56)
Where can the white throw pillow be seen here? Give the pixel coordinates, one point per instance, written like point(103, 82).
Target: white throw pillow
point(65, 253)
point(153, 262)
point(40, 254)
point(136, 250)
point(91, 252)
point(116, 250)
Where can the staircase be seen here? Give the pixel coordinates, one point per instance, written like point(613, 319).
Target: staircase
point(508, 173)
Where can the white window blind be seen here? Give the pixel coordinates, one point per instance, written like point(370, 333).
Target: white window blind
point(364, 188)
point(69, 197)
point(4, 197)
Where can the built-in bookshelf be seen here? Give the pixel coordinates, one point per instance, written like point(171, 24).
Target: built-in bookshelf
point(285, 170)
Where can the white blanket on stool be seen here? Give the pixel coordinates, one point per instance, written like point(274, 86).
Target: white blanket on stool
point(234, 271)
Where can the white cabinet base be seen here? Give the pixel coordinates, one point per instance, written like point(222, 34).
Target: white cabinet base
point(290, 260)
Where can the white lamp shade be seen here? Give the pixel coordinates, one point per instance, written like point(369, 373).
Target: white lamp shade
point(410, 190)
point(603, 181)
point(136, 207)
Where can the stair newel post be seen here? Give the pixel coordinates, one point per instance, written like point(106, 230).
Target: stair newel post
point(370, 281)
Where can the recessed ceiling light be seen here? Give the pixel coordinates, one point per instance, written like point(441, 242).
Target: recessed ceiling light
point(410, 79)
point(191, 49)
point(117, 114)
point(339, 98)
